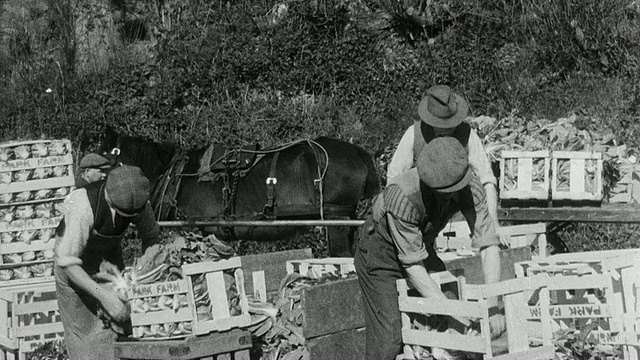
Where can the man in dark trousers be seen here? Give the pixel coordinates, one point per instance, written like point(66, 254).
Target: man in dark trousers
point(95, 219)
point(397, 239)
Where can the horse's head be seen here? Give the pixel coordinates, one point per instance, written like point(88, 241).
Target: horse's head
point(153, 158)
point(110, 145)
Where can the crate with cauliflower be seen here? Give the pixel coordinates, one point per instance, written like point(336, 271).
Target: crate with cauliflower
point(36, 176)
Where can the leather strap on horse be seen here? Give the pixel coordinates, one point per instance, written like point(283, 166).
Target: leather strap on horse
point(272, 181)
point(163, 196)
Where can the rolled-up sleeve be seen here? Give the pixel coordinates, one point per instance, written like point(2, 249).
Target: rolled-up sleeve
point(408, 241)
point(479, 161)
point(73, 233)
point(474, 206)
point(147, 226)
point(402, 159)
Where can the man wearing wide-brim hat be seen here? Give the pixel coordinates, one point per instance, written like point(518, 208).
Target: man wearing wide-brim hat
point(93, 167)
point(393, 246)
point(95, 219)
point(442, 113)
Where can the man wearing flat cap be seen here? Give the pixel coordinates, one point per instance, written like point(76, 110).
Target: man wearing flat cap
point(93, 167)
point(393, 244)
point(442, 113)
point(95, 219)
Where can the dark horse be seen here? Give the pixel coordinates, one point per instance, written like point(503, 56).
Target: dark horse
point(309, 179)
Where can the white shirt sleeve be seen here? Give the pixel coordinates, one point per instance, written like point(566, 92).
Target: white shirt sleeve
point(479, 161)
point(78, 222)
point(402, 159)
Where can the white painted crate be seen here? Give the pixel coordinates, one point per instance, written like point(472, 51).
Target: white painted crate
point(519, 171)
point(473, 305)
point(32, 318)
point(173, 312)
point(584, 182)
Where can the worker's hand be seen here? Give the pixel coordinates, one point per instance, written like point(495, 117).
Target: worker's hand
point(498, 325)
point(115, 307)
point(505, 240)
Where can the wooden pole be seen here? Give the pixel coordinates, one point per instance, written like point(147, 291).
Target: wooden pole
point(255, 223)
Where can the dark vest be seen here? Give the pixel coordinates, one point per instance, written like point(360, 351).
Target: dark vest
point(423, 134)
point(104, 239)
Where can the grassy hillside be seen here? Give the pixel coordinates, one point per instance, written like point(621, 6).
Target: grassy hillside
point(241, 72)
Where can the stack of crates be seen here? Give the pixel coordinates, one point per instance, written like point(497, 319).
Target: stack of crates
point(35, 176)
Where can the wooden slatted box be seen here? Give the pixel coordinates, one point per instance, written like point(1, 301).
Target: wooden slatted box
point(524, 175)
point(199, 304)
point(576, 176)
point(161, 310)
point(32, 316)
point(222, 283)
point(316, 268)
point(473, 305)
point(590, 290)
point(35, 177)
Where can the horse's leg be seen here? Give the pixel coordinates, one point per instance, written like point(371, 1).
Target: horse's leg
point(341, 238)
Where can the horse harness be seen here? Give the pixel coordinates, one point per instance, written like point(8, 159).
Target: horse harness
point(229, 168)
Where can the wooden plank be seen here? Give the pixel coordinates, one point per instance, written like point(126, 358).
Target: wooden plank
point(204, 327)
point(20, 247)
point(608, 213)
point(190, 348)
point(32, 163)
point(210, 266)
point(164, 316)
point(332, 307)
point(444, 340)
point(508, 286)
point(419, 305)
point(525, 181)
point(259, 286)
point(574, 311)
point(30, 185)
point(345, 345)
point(40, 329)
point(157, 289)
point(514, 305)
point(539, 353)
point(219, 301)
point(36, 307)
point(30, 224)
point(524, 154)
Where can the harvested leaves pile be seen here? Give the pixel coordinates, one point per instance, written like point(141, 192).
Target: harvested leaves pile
point(277, 326)
point(566, 134)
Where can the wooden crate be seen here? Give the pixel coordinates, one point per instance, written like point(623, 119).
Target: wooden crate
point(473, 305)
point(173, 312)
point(230, 345)
point(584, 182)
point(35, 176)
point(316, 268)
point(32, 316)
point(220, 275)
point(518, 172)
point(595, 289)
point(171, 316)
